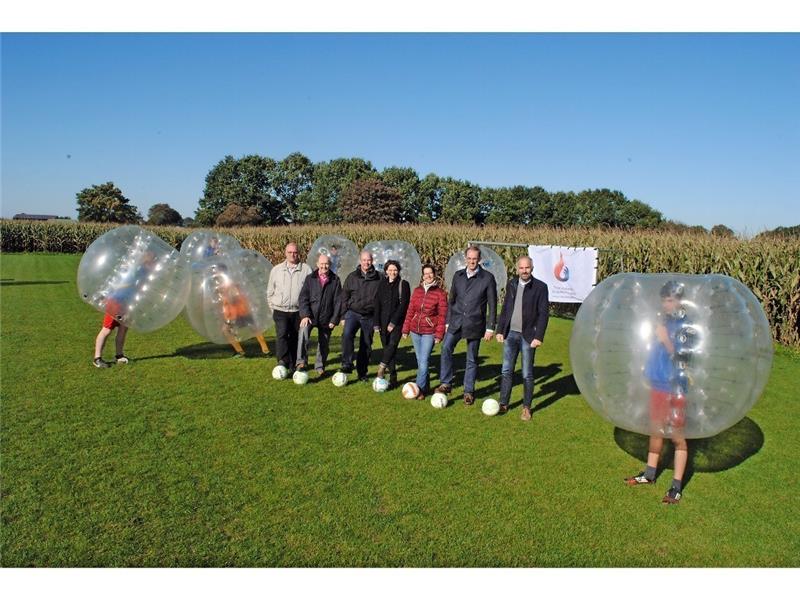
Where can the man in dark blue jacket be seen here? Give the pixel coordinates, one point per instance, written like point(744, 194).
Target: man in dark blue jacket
point(522, 324)
point(359, 293)
point(320, 307)
point(473, 290)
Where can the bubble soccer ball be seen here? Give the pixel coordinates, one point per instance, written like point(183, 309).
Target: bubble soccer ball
point(671, 354)
point(410, 390)
point(280, 372)
point(379, 384)
point(228, 298)
point(342, 252)
point(300, 377)
point(490, 407)
point(339, 379)
point(490, 261)
point(438, 400)
point(402, 252)
point(135, 276)
point(203, 244)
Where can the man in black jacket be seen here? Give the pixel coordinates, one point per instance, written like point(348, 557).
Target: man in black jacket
point(522, 324)
point(358, 303)
point(320, 307)
point(473, 290)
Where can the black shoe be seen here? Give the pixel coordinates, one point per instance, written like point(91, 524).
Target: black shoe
point(673, 496)
point(364, 378)
point(100, 363)
point(469, 399)
point(503, 409)
point(346, 370)
point(122, 359)
point(238, 355)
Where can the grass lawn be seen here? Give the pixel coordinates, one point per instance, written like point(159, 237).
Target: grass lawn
point(188, 458)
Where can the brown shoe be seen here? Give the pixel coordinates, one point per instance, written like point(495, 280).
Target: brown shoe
point(469, 399)
point(444, 389)
point(503, 409)
point(420, 396)
point(526, 413)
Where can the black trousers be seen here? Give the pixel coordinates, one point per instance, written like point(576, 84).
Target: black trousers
point(390, 342)
point(287, 326)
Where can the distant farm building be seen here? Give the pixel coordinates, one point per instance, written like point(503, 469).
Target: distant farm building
point(27, 217)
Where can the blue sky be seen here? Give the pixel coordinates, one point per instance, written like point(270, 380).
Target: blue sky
point(703, 127)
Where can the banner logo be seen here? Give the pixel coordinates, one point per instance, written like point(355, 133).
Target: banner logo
point(561, 271)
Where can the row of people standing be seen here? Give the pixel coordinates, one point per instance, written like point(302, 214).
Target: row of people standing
point(368, 302)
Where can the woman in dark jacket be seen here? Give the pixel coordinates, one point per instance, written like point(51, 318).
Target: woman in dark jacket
point(391, 305)
point(425, 322)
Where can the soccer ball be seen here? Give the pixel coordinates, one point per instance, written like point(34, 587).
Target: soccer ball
point(379, 384)
point(410, 390)
point(300, 377)
point(438, 400)
point(280, 372)
point(339, 379)
point(490, 407)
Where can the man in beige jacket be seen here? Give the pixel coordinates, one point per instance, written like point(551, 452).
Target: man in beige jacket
point(283, 294)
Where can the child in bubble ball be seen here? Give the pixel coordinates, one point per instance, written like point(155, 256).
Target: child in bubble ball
point(666, 373)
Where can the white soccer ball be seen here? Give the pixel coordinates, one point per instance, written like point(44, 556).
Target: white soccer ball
point(438, 400)
point(379, 384)
point(490, 407)
point(300, 377)
point(410, 390)
point(280, 372)
point(339, 379)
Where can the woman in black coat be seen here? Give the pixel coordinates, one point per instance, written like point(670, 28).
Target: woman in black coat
point(391, 305)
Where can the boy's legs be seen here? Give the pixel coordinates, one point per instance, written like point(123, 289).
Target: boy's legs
point(263, 343)
point(100, 341)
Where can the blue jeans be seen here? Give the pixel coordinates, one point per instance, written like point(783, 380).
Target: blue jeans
point(423, 346)
point(512, 345)
point(352, 323)
point(471, 374)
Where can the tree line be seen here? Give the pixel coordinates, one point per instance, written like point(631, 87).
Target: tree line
point(257, 190)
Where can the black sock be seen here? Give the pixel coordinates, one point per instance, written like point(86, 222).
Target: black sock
point(676, 483)
point(650, 473)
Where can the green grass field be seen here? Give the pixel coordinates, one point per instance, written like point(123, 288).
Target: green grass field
point(188, 458)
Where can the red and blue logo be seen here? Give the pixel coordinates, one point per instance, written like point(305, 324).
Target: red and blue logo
point(561, 271)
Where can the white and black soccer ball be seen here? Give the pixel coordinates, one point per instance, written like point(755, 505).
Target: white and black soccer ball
point(439, 400)
point(300, 377)
point(490, 407)
point(339, 379)
point(410, 390)
point(280, 372)
point(379, 384)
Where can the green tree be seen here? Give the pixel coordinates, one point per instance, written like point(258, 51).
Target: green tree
point(293, 179)
point(321, 203)
point(430, 197)
point(722, 231)
point(236, 215)
point(248, 182)
point(105, 203)
point(460, 202)
point(163, 214)
point(370, 201)
point(406, 182)
point(513, 206)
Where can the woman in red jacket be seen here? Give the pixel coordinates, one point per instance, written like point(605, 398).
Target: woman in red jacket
point(425, 319)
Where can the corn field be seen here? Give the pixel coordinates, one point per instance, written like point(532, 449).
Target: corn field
point(770, 268)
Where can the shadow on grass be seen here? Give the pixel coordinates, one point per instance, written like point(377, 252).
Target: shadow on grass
point(10, 282)
point(707, 455)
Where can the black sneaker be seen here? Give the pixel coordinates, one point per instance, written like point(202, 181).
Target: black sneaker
point(100, 363)
point(639, 479)
point(673, 496)
point(346, 370)
point(238, 355)
point(122, 359)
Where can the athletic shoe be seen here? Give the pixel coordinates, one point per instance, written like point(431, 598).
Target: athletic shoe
point(526, 413)
point(673, 496)
point(238, 355)
point(503, 409)
point(639, 480)
point(346, 370)
point(100, 363)
point(444, 389)
point(122, 359)
point(469, 399)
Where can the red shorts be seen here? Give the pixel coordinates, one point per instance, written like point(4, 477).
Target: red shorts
point(112, 311)
point(110, 322)
point(667, 409)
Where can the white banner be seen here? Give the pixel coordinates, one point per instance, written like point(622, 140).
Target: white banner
point(570, 273)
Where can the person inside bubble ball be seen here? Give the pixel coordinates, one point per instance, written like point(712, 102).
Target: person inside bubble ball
point(236, 312)
point(390, 314)
point(117, 305)
point(666, 374)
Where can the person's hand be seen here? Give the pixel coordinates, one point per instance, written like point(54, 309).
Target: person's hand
point(499, 337)
point(390, 328)
point(405, 335)
point(536, 343)
point(305, 322)
point(663, 336)
point(341, 323)
point(331, 325)
point(436, 341)
point(488, 336)
point(376, 329)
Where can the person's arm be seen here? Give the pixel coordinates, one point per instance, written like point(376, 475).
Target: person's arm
point(399, 313)
point(304, 300)
point(271, 288)
point(413, 307)
point(443, 309)
point(505, 315)
point(337, 303)
point(542, 316)
point(491, 321)
point(378, 310)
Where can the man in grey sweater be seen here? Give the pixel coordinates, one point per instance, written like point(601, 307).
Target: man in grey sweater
point(283, 295)
point(522, 324)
